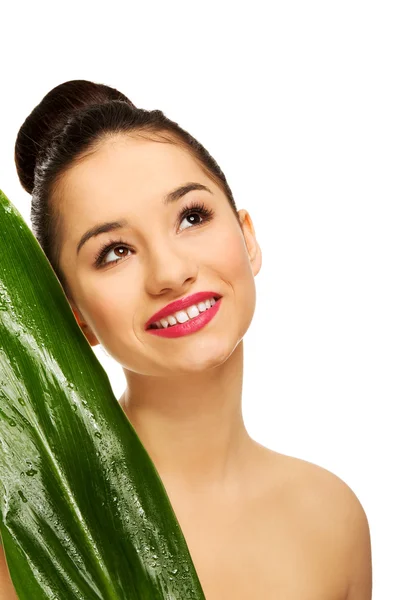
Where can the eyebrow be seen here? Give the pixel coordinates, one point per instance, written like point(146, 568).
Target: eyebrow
point(112, 225)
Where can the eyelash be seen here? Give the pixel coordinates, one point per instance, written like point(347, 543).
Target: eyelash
point(186, 211)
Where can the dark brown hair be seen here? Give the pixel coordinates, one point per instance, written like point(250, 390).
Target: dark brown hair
point(67, 125)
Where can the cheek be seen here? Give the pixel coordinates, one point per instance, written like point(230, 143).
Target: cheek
point(235, 268)
point(230, 255)
point(105, 304)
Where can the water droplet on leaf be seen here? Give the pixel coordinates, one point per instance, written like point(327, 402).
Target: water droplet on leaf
point(22, 496)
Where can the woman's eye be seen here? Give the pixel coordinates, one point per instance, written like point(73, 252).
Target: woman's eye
point(120, 255)
point(190, 218)
point(105, 251)
point(196, 210)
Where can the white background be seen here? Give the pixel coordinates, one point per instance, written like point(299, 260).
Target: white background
point(299, 103)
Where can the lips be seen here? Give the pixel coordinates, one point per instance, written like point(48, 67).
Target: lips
point(181, 304)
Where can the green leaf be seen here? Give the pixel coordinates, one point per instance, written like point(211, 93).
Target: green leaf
point(84, 513)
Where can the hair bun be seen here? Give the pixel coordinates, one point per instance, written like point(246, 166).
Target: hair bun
point(50, 115)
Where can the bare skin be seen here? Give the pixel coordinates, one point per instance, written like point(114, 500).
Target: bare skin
point(258, 524)
point(290, 531)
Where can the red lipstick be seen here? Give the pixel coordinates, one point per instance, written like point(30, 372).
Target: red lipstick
point(181, 304)
point(189, 326)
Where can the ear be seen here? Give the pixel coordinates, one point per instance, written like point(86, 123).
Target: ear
point(252, 245)
point(91, 338)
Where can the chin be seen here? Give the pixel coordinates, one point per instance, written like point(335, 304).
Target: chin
point(206, 356)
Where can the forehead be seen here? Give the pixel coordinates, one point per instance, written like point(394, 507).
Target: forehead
point(127, 169)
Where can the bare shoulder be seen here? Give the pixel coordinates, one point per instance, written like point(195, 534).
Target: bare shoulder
point(335, 516)
point(319, 489)
point(7, 590)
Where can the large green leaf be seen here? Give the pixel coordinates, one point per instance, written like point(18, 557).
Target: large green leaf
point(84, 513)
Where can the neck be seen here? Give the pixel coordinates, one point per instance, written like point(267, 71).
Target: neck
point(192, 426)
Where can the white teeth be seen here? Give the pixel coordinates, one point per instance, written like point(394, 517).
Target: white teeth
point(184, 315)
point(171, 320)
point(193, 311)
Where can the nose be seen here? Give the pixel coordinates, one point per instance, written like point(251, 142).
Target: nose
point(170, 269)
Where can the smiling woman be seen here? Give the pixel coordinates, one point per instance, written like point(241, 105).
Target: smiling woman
point(170, 298)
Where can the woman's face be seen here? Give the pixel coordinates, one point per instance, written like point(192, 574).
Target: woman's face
point(160, 256)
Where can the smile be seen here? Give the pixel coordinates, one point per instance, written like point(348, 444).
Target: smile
point(186, 321)
point(181, 316)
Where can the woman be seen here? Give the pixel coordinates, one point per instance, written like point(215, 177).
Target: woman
point(141, 228)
